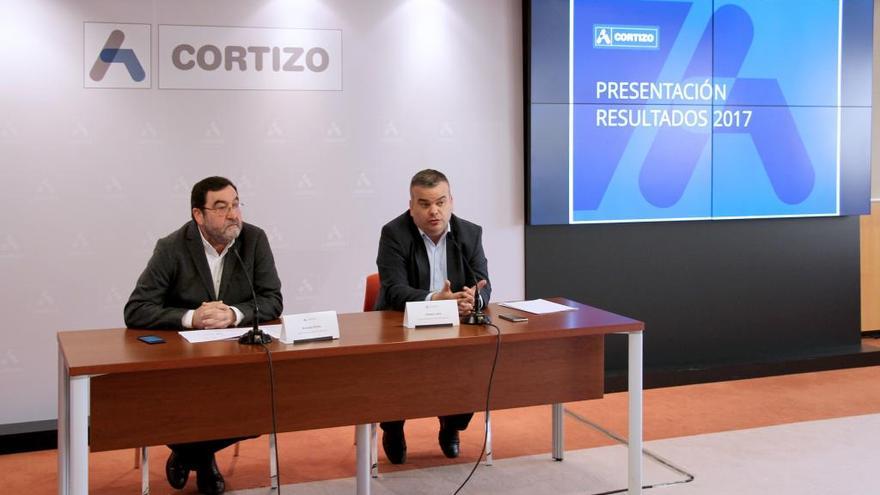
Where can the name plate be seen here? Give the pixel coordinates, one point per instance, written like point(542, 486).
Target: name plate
point(430, 313)
point(305, 327)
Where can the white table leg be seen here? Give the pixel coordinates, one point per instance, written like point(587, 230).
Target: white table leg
point(488, 452)
point(78, 454)
point(273, 466)
point(634, 467)
point(145, 470)
point(558, 433)
point(63, 426)
point(374, 450)
point(362, 433)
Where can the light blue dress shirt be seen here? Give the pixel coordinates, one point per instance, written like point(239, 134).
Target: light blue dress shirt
point(436, 260)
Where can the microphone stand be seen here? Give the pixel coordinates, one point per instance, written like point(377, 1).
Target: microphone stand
point(254, 336)
point(477, 317)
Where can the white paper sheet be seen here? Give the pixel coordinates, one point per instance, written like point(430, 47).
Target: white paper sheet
point(197, 336)
point(537, 306)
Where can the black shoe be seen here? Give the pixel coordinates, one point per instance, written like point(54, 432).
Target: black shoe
point(449, 442)
point(394, 444)
point(209, 479)
point(177, 471)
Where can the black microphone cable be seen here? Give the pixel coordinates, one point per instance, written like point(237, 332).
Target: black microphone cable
point(488, 397)
point(258, 339)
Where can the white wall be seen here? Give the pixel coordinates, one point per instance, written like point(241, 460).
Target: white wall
point(92, 177)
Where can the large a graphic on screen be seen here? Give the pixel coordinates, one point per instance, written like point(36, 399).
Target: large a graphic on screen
point(703, 109)
point(686, 116)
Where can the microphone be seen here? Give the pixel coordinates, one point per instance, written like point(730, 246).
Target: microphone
point(254, 336)
point(477, 317)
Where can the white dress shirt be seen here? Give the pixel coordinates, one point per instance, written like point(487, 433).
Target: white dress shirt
point(215, 266)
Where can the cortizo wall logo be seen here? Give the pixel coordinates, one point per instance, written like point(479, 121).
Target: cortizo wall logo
point(631, 37)
point(256, 58)
point(212, 57)
point(112, 53)
point(116, 55)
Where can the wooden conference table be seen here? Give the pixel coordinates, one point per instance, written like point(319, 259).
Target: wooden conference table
point(116, 392)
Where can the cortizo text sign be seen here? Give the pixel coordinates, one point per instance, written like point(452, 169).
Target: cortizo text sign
point(211, 57)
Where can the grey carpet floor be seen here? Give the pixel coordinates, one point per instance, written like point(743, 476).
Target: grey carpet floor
point(828, 457)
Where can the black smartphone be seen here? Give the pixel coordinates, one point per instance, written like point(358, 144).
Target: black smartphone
point(513, 318)
point(151, 339)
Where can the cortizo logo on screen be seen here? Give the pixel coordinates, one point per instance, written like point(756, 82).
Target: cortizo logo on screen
point(628, 37)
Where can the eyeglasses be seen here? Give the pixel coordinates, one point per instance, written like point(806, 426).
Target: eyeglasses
point(224, 210)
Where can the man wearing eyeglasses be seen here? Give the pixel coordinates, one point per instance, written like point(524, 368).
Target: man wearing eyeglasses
point(193, 281)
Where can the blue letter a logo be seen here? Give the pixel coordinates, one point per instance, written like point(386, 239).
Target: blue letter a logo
point(111, 53)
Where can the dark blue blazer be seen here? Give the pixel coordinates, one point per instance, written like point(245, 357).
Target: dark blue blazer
point(404, 270)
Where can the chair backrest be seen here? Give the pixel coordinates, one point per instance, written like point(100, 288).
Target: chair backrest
point(371, 291)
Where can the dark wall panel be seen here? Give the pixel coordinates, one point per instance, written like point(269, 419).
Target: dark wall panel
point(709, 292)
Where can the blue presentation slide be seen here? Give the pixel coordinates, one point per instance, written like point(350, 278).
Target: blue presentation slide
point(703, 109)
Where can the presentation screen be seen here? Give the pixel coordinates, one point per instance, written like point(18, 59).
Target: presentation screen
point(649, 110)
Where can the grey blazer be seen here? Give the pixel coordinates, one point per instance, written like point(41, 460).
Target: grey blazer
point(177, 279)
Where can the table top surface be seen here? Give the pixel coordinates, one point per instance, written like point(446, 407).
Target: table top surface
point(90, 352)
